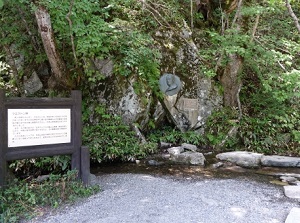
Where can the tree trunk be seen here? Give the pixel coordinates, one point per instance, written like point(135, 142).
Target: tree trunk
point(293, 15)
point(60, 77)
point(231, 81)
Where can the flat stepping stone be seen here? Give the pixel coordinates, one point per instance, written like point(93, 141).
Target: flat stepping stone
point(294, 216)
point(242, 158)
point(292, 192)
point(280, 161)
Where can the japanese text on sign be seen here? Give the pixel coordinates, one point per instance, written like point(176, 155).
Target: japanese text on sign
point(30, 127)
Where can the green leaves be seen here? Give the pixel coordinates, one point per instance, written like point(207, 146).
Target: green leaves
point(24, 199)
point(111, 139)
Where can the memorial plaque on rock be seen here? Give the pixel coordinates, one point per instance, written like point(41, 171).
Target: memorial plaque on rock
point(190, 104)
point(170, 84)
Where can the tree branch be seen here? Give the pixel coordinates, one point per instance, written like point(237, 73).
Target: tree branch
point(192, 21)
point(158, 14)
point(292, 14)
point(237, 14)
point(71, 35)
point(255, 27)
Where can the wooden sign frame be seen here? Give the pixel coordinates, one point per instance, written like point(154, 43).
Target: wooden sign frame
point(79, 153)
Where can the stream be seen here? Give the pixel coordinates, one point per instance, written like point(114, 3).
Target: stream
point(192, 172)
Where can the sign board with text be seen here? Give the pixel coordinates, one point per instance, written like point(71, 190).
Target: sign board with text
point(30, 127)
point(37, 127)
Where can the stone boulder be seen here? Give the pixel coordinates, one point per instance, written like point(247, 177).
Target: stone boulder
point(193, 158)
point(118, 95)
point(290, 180)
point(186, 154)
point(189, 113)
point(242, 158)
point(188, 109)
point(199, 96)
point(280, 161)
point(33, 84)
point(189, 147)
point(175, 150)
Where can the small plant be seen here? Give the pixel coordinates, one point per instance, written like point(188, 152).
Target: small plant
point(42, 165)
point(174, 136)
point(23, 199)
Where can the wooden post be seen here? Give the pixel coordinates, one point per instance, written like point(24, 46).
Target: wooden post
point(2, 133)
point(85, 165)
point(77, 131)
point(3, 162)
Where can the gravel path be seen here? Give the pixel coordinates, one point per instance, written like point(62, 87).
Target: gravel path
point(142, 198)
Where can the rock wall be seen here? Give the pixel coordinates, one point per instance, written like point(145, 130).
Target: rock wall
point(188, 109)
point(199, 96)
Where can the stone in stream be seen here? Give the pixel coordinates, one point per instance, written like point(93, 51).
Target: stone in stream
point(165, 145)
point(242, 158)
point(193, 158)
point(189, 147)
point(290, 180)
point(280, 161)
point(175, 150)
point(217, 165)
point(154, 163)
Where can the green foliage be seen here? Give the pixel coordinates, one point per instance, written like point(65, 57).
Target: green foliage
point(55, 164)
point(109, 29)
point(174, 136)
point(270, 93)
point(272, 126)
point(219, 125)
point(5, 74)
point(110, 139)
point(18, 36)
point(137, 57)
point(23, 199)
point(124, 32)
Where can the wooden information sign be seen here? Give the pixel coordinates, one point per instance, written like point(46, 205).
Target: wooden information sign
point(36, 127)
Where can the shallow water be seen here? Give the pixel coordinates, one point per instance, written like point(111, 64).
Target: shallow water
point(190, 172)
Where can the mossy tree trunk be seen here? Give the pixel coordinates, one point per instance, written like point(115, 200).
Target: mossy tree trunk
point(231, 80)
point(60, 75)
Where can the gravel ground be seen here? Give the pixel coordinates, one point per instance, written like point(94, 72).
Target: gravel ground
point(141, 198)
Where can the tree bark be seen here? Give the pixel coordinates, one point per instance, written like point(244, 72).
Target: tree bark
point(231, 81)
point(60, 77)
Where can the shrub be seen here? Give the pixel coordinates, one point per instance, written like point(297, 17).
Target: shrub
point(110, 139)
